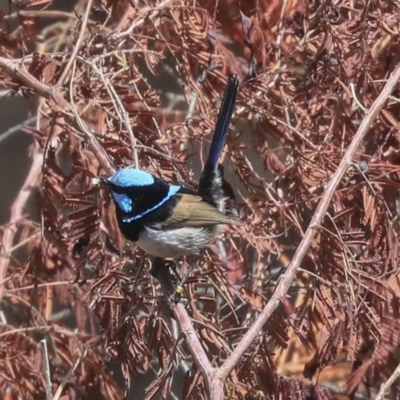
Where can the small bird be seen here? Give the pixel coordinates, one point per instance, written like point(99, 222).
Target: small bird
point(170, 221)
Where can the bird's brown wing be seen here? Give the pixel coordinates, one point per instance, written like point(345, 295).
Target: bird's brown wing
point(192, 210)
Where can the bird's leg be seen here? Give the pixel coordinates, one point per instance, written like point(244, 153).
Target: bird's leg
point(160, 270)
point(187, 268)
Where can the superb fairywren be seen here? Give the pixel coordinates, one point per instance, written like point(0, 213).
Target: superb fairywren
point(170, 221)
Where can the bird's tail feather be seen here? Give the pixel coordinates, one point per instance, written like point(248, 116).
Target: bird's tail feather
point(223, 121)
point(211, 181)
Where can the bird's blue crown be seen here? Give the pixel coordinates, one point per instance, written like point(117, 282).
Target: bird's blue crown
point(131, 177)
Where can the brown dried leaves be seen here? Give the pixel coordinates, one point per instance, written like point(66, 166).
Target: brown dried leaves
point(315, 67)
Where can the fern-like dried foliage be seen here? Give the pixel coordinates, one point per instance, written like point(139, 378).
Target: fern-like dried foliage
point(120, 83)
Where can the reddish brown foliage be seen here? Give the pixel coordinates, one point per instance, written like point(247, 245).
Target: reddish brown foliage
point(114, 84)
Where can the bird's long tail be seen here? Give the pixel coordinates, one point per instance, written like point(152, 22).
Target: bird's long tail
point(223, 121)
point(210, 184)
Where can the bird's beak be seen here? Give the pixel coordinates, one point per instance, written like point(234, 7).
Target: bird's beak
point(100, 180)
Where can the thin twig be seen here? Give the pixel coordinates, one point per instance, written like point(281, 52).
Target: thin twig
point(150, 11)
point(16, 128)
point(196, 349)
point(388, 383)
point(353, 92)
point(100, 154)
point(162, 272)
point(77, 46)
point(69, 374)
point(16, 213)
point(47, 373)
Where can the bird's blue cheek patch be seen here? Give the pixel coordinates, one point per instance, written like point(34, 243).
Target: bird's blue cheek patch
point(124, 202)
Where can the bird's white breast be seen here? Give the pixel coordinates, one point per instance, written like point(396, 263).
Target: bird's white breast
point(175, 243)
